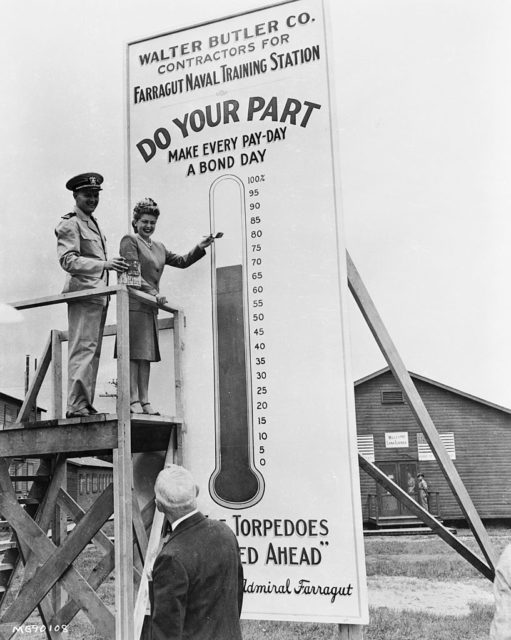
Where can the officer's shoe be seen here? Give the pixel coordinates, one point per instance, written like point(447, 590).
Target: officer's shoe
point(79, 413)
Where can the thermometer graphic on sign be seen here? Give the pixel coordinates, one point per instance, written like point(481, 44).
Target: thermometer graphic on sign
point(235, 482)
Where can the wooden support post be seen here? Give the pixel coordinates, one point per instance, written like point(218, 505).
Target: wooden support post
point(419, 410)
point(123, 509)
point(56, 374)
point(351, 632)
point(59, 523)
point(178, 363)
point(150, 556)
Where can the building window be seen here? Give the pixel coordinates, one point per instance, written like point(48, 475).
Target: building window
point(88, 482)
point(94, 483)
point(81, 483)
point(394, 396)
point(365, 445)
point(424, 449)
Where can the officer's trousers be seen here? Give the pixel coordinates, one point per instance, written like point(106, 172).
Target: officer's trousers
point(86, 321)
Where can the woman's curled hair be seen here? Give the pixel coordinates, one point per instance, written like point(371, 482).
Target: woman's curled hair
point(143, 207)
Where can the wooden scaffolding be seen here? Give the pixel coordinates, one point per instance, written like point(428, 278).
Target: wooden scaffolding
point(40, 539)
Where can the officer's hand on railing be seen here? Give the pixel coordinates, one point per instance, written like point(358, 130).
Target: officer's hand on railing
point(116, 264)
point(161, 299)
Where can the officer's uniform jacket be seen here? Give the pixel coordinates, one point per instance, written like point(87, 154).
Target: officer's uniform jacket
point(81, 249)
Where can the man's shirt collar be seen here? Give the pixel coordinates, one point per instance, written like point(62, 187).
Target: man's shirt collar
point(179, 520)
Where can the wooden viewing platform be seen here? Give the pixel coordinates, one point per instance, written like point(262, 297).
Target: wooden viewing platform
point(50, 581)
point(86, 436)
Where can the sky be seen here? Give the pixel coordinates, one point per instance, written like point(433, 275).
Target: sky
point(423, 97)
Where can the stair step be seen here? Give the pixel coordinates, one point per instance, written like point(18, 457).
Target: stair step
point(41, 478)
point(6, 566)
point(6, 545)
point(28, 501)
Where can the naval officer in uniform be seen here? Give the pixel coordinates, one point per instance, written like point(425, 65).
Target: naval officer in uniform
point(81, 249)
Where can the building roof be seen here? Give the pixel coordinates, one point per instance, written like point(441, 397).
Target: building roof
point(89, 461)
point(7, 398)
point(416, 376)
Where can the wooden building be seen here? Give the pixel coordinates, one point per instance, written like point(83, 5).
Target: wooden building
point(476, 434)
point(9, 409)
point(87, 478)
point(22, 467)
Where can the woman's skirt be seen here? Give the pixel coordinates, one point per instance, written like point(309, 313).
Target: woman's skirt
point(144, 343)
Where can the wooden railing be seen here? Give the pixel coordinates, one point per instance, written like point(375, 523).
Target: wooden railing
point(376, 510)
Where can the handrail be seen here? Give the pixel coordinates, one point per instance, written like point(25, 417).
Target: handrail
point(91, 293)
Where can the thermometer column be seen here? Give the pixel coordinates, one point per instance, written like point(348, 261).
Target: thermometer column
point(235, 483)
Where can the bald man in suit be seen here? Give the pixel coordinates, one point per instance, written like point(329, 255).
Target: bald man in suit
point(197, 578)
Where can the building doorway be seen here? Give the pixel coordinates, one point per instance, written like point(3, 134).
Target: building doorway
point(404, 474)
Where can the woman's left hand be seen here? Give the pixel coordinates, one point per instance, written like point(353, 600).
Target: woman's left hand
point(161, 299)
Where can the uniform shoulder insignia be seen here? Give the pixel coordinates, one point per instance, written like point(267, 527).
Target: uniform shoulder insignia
point(68, 215)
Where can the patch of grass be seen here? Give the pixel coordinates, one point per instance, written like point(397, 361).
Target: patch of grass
point(266, 629)
point(422, 557)
point(386, 624)
point(448, 568)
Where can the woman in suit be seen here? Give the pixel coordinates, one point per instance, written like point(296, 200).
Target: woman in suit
point(152, 256)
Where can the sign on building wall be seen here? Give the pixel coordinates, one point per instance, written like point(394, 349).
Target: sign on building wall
point(396, 439)
point(231, 131)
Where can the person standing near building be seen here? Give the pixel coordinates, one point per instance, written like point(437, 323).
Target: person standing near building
point(81, 249)
point(197, 578)
point(423, 491)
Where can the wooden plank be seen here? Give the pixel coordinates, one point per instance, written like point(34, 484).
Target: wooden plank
point(95, 579)
point(426, 517)
point(351, 632)
point(35, 386)
point(151, 301)
point(142, 601)
point(66, 422)
point(58, 535)
point(98, 436)
point(111, 329)
point(139, 528)
point(76, 512)
point(419, 410)
point(67, 297)
point(57, 562)
point(56, 374)
point(178, 364)
point(123, 479)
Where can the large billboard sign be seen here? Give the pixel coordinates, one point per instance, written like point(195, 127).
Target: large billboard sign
point(231, 131)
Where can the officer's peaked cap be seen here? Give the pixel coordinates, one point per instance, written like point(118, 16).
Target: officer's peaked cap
point(85, 181)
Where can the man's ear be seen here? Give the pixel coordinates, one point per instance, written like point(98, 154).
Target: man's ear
point(158, 505)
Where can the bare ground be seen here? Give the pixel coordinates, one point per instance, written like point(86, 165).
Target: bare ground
point(419, 594)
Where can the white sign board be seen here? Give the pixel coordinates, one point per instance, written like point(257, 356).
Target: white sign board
point(396, 440)
point(231, 130)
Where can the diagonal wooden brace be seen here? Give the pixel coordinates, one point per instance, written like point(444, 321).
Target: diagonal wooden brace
point(402, 376)
point(425, 516)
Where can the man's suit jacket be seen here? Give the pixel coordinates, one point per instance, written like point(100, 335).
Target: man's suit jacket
point(197, 583)
point(81, 249)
